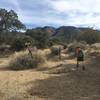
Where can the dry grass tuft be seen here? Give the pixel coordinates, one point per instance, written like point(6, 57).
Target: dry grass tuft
point(22, 60)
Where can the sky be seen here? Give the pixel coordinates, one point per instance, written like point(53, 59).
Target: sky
point(39, 13)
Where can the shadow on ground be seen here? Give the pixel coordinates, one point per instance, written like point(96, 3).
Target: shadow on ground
point(72, 85)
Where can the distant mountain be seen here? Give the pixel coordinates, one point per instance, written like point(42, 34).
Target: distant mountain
point(67, 33)
point(47, 29)
point(64, 33)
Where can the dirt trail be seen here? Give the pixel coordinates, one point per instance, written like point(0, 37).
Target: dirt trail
point(13, 84)
point(56, 82)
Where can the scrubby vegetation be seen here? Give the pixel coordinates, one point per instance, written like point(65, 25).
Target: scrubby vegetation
point(14, 34)
point(42, 37)
point(90, 36)
point(55, 51)
point(19, 43)
point(22, 60)
point(50, 51)
point(72, 46)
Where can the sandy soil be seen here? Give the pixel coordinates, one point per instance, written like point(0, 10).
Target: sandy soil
point(56, 81)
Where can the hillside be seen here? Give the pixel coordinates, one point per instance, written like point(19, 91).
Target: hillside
point(64, 34)
point(69, 33)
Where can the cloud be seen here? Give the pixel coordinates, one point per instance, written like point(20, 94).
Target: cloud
point(80, 12)
point(56, 12)
point(76, 5)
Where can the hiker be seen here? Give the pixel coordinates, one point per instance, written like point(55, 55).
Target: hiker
point(80, 57)
point(29, 48)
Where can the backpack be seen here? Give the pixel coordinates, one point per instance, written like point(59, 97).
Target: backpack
point(80, 54)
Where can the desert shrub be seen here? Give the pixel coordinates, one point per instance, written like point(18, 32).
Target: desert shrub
point(65, 46)
point(19, 43)
point(54, 41)
point(90, 36)
point(5, 50)
point(41, 39)
point(22, 60)
point(55, 51)
point(72, 47)
point(98, 57)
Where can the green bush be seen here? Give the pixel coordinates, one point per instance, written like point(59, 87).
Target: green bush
point(41, 39)
point(21, 61)
point(55, 51)
point(54, 41)
point(19, 43)
point(90, 36)
point(72, 47)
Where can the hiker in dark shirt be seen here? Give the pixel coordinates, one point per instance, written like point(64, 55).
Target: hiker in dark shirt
point(80, 57)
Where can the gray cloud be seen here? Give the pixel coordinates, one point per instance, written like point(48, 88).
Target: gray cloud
point(56, 12)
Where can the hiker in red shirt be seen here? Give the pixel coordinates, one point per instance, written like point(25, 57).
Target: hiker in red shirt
point(80, 57)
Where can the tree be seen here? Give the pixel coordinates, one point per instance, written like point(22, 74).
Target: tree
point(19, 43)
point(9, 21)
point(41, 39)
point(90, 36)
